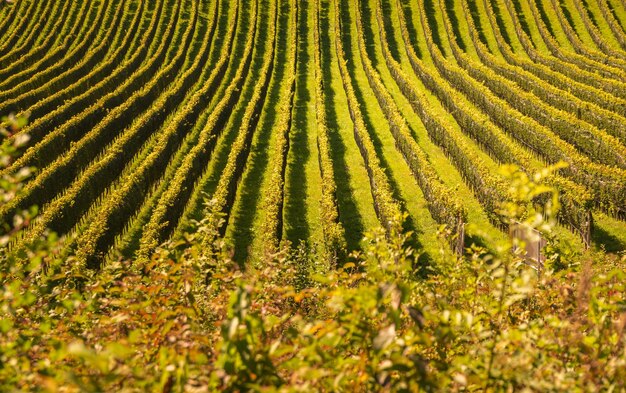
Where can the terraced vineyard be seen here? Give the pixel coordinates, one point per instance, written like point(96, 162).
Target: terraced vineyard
point(311, 121)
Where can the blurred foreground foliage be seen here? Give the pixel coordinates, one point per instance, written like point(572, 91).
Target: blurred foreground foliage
point(190, 319)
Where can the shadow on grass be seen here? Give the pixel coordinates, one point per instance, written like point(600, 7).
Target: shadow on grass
point(479, 241)
point(219, 147)
point(568, 15)
point(601, 237)
point(389, 29)
point(366, 17)
point(592, 18)
point(544, 17)
point(455, 24)
point(132, 236)
point(500, 22)
point(250, 189)
point(430, 11)
point(348, 212)
point(295, 213)
point(410, 27)
point(521, 17)
point(409, 224)
point(474, 14)
point(615, 17)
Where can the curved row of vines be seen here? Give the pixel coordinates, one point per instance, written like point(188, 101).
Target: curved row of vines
point(311, 121)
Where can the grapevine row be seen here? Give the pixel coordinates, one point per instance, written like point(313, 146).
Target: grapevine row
point(197, 106)
point(172, 202)
point(606, 182)
point(16, 32)
point(116, 205)
point(610, 19)
point(552, 94)
point(9, 15)
point(442, 203)
point(334, 233)
point(102, 77)
point(595, 34)
point(582, 56)
point(595, 143)
point(31, 37)
point(83, 187)
point(59, 50)
point(82, 55)
point(490, 190)
point(386, 206)
point(55, 142)
point(571, 71)
point(61, 172)
point(576, 200)
point(118, 169)
point(273, 201)
point(580, 48)
point(554, 73)
point(83, 111)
